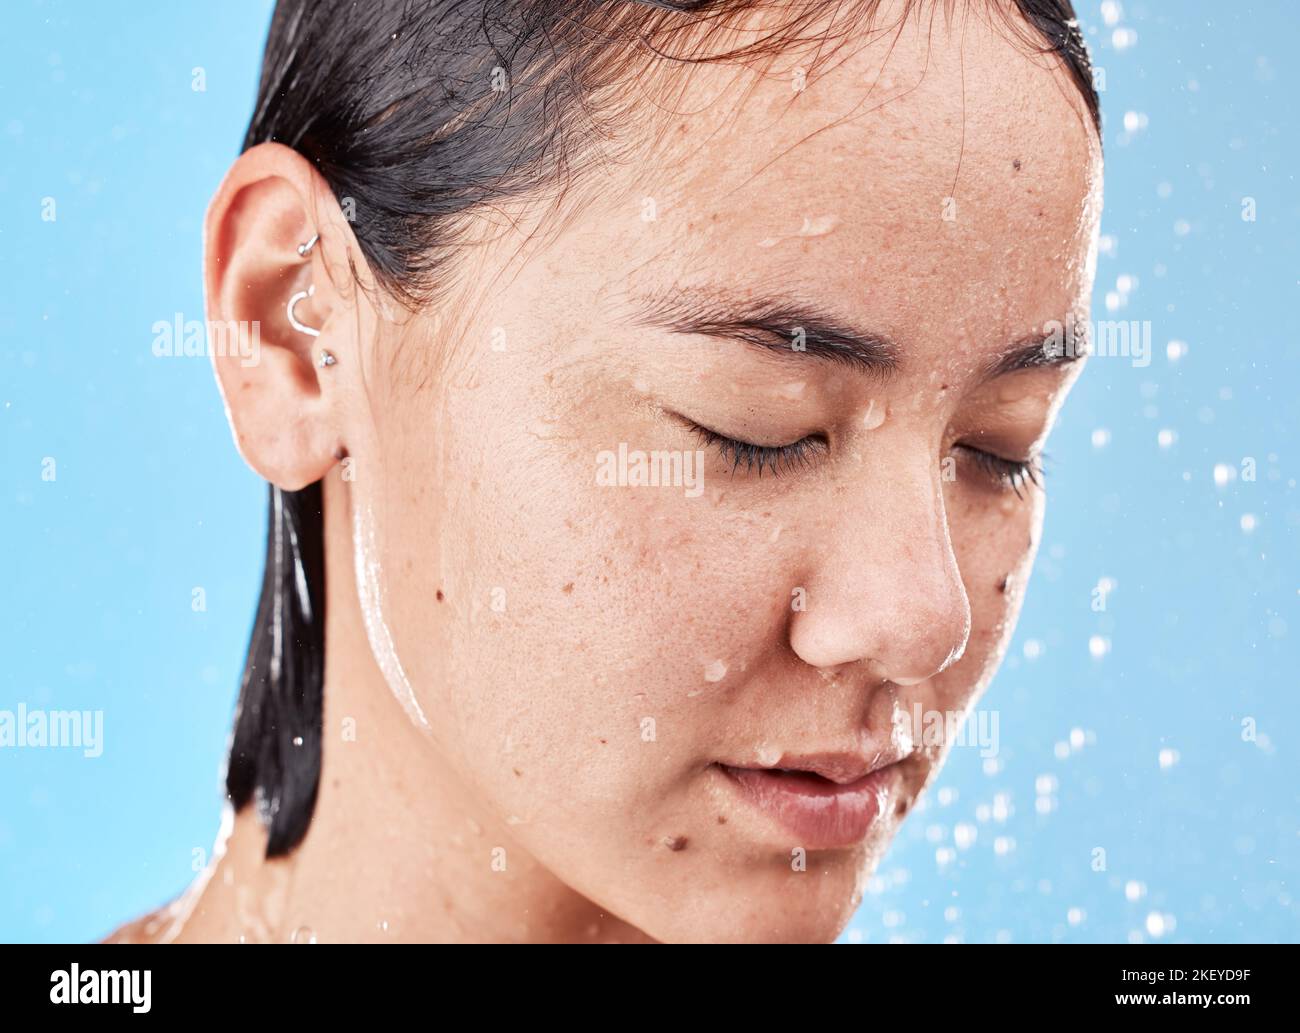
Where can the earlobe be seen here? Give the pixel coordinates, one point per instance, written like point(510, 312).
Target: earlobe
point(267, 287)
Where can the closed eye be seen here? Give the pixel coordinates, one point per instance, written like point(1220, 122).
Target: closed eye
point(1016, 474)
point(776, 458)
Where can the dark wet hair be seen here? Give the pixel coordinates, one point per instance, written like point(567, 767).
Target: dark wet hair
point(420, 112)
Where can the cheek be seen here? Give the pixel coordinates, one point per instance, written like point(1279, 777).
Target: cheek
point(584, 628)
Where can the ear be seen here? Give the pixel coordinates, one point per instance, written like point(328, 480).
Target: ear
point(282, 403)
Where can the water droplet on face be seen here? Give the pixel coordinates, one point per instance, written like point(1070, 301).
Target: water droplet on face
point(817, 227)
point(303, 934)
point(715, 671)
point(812, 227)
point(768, 755)
point(874, 416)
point(900, 730)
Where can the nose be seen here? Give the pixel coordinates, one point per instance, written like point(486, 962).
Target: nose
point(884, 587)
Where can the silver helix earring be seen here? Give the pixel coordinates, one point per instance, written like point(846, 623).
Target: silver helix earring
point(326, 358)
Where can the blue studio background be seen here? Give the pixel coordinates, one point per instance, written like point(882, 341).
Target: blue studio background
point(1146, 783)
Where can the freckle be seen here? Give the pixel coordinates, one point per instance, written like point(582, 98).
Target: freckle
point(1016, 164)
point(1002, 585)
point(602, 742)
point(518, 773)
point(568, 588)
point(440, 596)
point(722, 819)
point(675, 843)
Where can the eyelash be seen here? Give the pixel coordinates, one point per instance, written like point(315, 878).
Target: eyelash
point(795, 455)
point(1013, 474)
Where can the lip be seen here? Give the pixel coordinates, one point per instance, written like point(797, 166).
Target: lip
point(827, 801)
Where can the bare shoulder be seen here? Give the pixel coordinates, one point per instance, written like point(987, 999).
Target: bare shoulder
point(157, 926)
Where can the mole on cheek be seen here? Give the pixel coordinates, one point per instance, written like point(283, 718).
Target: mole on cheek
point(439, 595)
point(675, 843)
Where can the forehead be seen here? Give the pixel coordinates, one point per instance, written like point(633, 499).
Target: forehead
point(936, 181)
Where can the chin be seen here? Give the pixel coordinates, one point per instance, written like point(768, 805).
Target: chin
point(768, 903)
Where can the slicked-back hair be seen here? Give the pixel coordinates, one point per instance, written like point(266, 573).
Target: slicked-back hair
point(422, 112)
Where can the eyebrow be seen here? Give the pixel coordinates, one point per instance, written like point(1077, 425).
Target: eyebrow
point(792, 329)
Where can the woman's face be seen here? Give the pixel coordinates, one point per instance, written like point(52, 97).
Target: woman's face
point(606, 667)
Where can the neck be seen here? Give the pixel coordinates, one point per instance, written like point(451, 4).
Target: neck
point(399, 848)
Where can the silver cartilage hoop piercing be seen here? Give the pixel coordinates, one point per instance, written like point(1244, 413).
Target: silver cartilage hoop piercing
point(304, 250)
point(293, 320)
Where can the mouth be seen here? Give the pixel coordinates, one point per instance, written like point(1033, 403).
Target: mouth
point(826, 802)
